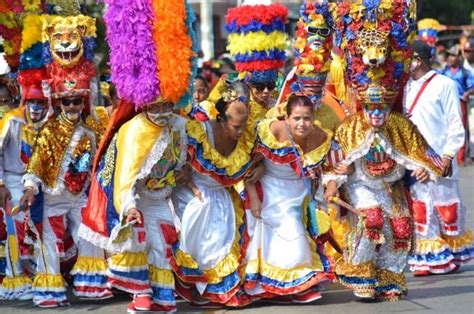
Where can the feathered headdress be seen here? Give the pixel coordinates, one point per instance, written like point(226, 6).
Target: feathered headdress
point(428, 31)
point(31, 82)
point(313, 43)
point(152, 50)
point(12, 13)
point(376, 37)
point(257, 40)
point(312, 50)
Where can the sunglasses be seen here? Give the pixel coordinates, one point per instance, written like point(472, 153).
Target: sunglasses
point(373, 107)
point(75, 102)
point(261, 86)
point(322, 31)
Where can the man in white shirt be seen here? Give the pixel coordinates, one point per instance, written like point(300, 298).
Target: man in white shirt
point(432, 103)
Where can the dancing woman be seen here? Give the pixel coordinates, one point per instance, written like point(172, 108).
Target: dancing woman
point(282, 258)
point(212, 237)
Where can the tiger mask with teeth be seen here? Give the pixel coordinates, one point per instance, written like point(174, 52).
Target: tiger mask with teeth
point(372, 46)
point(66, 36)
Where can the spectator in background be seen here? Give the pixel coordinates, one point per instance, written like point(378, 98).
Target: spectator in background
point(226, 64)
point(8, 91)
point(465, 84)
point(468, 65)
point(439, 61)
point(211, 72)
point(201, 89)
point(468, 55)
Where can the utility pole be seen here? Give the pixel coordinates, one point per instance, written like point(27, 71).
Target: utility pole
point(207, 30)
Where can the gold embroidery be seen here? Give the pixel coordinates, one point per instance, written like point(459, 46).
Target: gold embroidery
point(105, 175)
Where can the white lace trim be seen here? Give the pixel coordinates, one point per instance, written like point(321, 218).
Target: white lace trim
point(339, 179)
point(160, 195)
point(361, 151)
point(403, 162)
point(60, 189)
point(178, 124)
point(93, 237)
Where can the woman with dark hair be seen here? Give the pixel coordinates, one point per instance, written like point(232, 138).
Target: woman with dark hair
point(282, 258)
point(201, 89)
point(208, 253)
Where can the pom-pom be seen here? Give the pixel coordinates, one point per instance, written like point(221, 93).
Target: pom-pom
point(257, 39)
point(32, 77)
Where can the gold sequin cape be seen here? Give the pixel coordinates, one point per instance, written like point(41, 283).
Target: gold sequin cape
point(135, 148)
point(57, 145)
point(408, 147)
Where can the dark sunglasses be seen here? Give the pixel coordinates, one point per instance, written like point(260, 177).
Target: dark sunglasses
point(261, 86)
point(75, 102)
point(373, 107)
point(323, 31)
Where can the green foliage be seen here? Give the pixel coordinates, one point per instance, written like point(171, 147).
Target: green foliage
point(455, 12)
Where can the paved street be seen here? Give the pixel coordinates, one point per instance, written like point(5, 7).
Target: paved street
point(452, 293)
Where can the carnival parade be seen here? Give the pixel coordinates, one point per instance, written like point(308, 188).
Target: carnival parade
point(325, 148)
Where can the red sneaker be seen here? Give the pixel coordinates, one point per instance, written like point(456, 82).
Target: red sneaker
point(455, 269)
point(306, 297)
point(142, 302)
point(422, 273)
point(162, 308)
point(46, 304)
point(131, 307)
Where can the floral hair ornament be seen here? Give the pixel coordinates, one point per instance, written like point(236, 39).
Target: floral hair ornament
point(231, 96)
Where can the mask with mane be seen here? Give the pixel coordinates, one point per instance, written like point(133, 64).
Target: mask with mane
point(69, 39)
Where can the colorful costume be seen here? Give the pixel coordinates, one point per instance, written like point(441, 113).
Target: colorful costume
point(381, 144)
point(58, 171)
point(312, 51)
point(213, 234)
point(282, 257)
point(18, 136)
point(257, 41)
point(139, 168)
point(139, 156)
point(442, 241)
point(378, 245)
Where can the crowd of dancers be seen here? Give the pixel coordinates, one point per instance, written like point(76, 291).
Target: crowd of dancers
point(262, 189)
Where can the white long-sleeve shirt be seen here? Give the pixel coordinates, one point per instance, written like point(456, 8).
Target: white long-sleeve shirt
point(11, 128)
point(10, 147)
point(437, 113)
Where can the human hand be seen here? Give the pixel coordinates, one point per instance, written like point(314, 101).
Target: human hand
point(421, 175)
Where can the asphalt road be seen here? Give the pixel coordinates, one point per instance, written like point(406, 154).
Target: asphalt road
point(452, 293)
